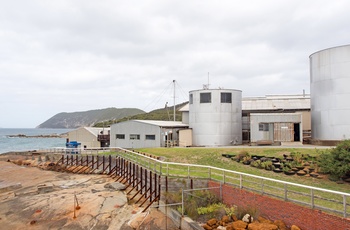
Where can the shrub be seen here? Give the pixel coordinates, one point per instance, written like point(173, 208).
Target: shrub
point(336, 161)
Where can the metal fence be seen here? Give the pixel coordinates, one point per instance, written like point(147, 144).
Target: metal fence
point(316, 198)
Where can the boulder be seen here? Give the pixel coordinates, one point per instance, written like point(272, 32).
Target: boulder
point(207, 227)
point(115, 186)
point(234, 217)
point(281, 225)
point(263, 220)
point(239, 224)
point(247, 218)
point(294, 227)
point(262, 226)
point(212, 222)
point(225, 219)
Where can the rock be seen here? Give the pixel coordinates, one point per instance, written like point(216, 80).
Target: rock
point(234, 217)
point(207, 227)
point(294, 227)
point(313, 174)
point(262, 226)
point(301, 173)
point(247, 218)
point(212, 222)
point(239, 224)
point(263, 220)
point(281, 225)
point(225, 219)
point(115, 186)
point(229, 227)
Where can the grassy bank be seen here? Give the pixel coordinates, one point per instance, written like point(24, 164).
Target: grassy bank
point(213, 157)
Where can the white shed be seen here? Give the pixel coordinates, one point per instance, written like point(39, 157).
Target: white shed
point(146, 133)
point(90, 137)
point(276, 127)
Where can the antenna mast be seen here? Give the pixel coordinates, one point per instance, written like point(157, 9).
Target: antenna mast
point(174, 100)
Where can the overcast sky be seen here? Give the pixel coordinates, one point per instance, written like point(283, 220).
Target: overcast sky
point(78, 55)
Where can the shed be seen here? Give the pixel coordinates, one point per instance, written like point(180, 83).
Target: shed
point(146, 133)
point(276, 127)
point(90, 137)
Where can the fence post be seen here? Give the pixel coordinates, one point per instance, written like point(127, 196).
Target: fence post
point(312, 199)
point(240, 181)
point(285, 192)
point(262, 186)
point(224, 177)
point(183, 206)
point(188, 171)
point(344, 205)
point(221, 193)
point(209, 172)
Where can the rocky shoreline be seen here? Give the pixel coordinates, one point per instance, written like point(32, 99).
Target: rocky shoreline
point(33, 197)
point(53, 135)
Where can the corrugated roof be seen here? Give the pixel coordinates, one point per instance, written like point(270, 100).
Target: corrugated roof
point(277, 102)
point(96, 131)
point(163, 123)
point(272, 102)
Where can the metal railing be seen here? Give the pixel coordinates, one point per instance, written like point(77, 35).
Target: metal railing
point(313, 197)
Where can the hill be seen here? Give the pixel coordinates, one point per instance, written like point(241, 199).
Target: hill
point(164, 114)
point(88, 118)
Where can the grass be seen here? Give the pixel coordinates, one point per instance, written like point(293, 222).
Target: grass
point(213, 157)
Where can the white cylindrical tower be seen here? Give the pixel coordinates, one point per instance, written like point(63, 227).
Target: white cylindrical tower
point(330, 94)
point(216, 117)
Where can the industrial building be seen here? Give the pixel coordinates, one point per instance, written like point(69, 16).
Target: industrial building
point(330, 95)
point(90, 137)
point(146, 133)
point(277, 106)
point(215, 117)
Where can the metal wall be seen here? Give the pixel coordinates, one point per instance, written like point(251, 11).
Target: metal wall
point(330, 93)
point(133, 127)
point(216, 123)
point(86, 138)
point(280, 126)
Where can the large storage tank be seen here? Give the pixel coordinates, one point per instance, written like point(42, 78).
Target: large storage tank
point(330, 94)
point(216, 117)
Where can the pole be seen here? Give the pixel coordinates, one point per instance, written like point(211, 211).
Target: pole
point(174, 100)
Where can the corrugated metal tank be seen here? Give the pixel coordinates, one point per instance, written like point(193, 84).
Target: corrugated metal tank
point(216, 117)
point(330, 93)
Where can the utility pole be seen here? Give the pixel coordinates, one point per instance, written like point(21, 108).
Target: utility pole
point(174, 100)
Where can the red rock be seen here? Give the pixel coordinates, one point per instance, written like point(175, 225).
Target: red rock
point(281, 225)
point(239, 224)
point(234, 218)
point(207, 227)
point(212, 222)
point(262, 226)
point(225, 219)
point(294, 227)
point(264, 220)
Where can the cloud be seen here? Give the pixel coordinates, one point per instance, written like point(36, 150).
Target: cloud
point(65, 56)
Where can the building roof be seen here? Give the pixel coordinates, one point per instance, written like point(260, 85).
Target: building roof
point(163, 123)
point(97, 131)
point(277, 102)
point(271, 102)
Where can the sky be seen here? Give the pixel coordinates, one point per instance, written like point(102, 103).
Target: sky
point(79, 55)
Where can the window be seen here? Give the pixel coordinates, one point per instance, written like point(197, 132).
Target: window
point(191, 98)
point(205, 98)
point(226, 97)
point(134, 136)
point(150, 137)
point(120, 136)
point(263, 127)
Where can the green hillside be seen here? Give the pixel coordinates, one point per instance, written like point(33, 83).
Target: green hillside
point(88, 118)
point(165, 114)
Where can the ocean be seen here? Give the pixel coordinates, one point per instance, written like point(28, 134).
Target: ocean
point(8, 144)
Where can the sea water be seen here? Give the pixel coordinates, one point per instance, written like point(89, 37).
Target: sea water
point(8, 144)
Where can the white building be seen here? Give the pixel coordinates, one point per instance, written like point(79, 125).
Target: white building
point(330, 94)
point(215, 117)
point(146, 133)
point(90, 137)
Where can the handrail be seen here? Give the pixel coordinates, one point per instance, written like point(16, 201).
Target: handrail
point(159, 166)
